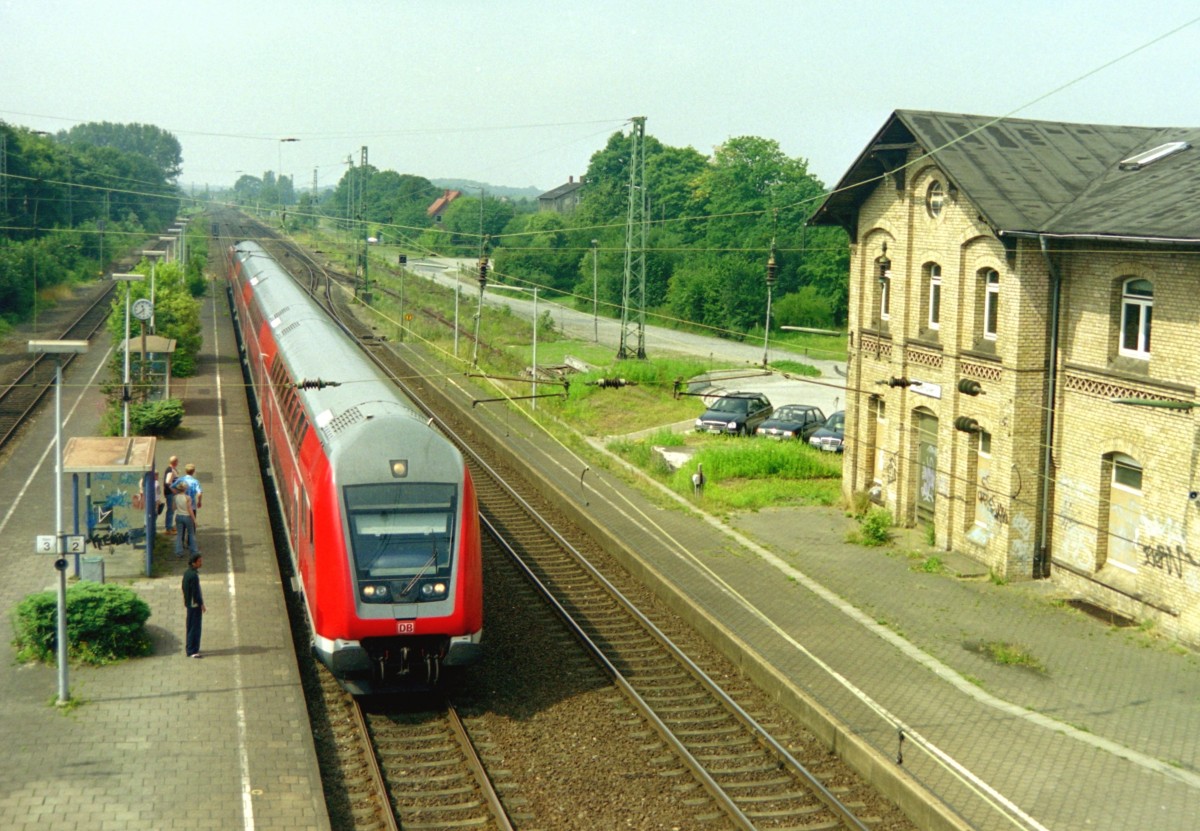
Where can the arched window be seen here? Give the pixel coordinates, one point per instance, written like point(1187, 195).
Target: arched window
point(1137, 307)
point(934, 199)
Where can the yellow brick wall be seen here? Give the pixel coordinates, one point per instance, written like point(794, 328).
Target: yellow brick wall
point(1002, 524)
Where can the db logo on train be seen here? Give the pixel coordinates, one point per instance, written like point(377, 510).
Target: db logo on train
point(405, 627)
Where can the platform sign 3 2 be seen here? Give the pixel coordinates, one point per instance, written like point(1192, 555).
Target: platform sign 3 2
point(48, 544)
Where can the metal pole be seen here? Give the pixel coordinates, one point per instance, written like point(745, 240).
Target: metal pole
point(533, 401)
point(125, 389)
point(595, 304)
point(64, 692)
point(127, 279)
point(153, 263)
point(478, 317)
point(767, 327)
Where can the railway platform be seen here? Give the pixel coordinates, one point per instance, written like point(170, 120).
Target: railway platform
point(160, 742)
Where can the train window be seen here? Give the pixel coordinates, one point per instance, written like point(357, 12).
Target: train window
point(401, 529)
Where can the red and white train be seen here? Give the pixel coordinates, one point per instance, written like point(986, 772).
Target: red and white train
point(381, 513)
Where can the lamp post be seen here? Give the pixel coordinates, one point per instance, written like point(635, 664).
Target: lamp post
point(595, 305)
point(126, 279)
point(58, 348)
point(153, 257)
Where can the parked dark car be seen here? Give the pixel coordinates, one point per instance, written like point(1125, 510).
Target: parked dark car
point(792, 421)
point(832, 435)
point(735, 413)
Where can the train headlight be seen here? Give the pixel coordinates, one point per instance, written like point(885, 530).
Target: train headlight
point(432, 591)
point(376, 592)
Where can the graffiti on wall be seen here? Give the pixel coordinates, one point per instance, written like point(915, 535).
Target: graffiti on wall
point(1168, 559)
point(994, 506)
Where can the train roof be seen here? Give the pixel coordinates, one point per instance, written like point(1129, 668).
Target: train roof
point(337, 384)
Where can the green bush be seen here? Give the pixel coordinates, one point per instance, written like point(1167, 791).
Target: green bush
point(105, 623)
point(155, 418)
point(876, 527)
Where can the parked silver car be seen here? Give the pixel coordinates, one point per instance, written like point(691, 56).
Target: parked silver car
point(832, 436)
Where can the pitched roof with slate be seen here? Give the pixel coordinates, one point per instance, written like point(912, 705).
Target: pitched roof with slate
point(1039, 177)
point(561, 191)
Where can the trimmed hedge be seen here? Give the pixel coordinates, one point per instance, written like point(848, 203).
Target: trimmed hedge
point(105, 623)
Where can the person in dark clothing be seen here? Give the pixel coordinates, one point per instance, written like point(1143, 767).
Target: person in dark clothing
point(168, 481)
point(193, 601)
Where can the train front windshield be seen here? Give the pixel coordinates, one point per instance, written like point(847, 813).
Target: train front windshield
point(402, 535)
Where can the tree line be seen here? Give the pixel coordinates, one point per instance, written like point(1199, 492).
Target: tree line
point(72, 199)
point(713, 223)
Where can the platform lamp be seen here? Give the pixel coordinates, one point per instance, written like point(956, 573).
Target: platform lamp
point(126, 279)
point(58, 348)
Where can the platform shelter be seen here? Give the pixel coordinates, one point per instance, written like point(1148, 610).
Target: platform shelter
point(150, 359)
point(118, 474)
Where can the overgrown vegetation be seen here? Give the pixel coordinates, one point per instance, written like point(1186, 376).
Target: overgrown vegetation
point(874, 528)
point(70, 208)
point(105, 623)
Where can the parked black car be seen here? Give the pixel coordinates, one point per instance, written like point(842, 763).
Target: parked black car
point(792, 421)
point(735, 413)
point(832, 436)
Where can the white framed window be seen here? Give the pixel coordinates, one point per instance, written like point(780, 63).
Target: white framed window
point(935, 198)
point(934, 272)
point(1137, 307)
point(885, 295)
point(991, 304)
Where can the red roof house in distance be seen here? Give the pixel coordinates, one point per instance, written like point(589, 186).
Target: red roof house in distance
point(440, 204)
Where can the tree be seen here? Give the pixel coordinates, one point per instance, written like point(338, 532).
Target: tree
point(153, 143)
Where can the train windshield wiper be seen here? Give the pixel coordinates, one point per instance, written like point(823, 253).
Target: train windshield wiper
point(431, 561)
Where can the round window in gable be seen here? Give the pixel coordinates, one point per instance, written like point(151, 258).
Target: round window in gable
point(934, 199)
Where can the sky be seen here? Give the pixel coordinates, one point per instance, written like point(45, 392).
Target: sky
point(521, 93)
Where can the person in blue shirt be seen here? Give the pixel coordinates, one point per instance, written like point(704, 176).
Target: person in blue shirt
point(193, 485)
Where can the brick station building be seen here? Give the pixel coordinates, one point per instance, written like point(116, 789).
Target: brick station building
point(1023, 332)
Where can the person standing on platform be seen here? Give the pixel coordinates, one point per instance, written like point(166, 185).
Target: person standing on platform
point(185, 520)
point(168, 484)
point(193, 486)
point(193, 601)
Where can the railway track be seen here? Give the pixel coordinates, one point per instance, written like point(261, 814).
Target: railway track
point(727, 759)
point(21, 397)
point(749, 776)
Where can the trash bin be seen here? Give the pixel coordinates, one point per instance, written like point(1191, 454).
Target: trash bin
point(92, 568)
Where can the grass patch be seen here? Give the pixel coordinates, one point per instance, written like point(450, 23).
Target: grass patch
point(1008, 654)
point(796, 368)
point(928, 565)
point(741, 474)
